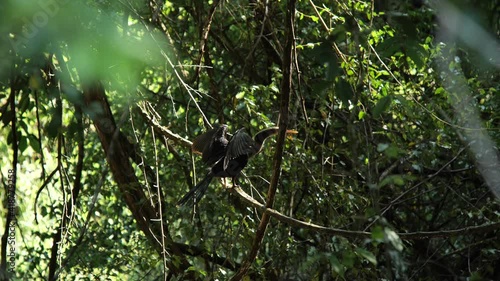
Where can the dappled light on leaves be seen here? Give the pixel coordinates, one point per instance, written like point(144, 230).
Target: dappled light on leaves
point(391, 172)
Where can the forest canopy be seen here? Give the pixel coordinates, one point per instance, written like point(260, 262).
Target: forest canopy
point(391, 172)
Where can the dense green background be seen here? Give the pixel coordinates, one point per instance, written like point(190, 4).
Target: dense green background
point(396, 104)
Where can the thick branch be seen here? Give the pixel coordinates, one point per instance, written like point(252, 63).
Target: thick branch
point(286, 86)
point(361, 234)
point(11, 220)
point(118, 159)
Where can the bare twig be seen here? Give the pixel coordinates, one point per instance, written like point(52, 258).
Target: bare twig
point(204, 37)
point(57, 237)
point(160, 207)
point(396, 200)
point(335, 47)
point(152, 118)
point(39, 132)
point(45, 183)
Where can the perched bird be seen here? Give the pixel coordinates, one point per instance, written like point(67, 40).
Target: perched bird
point(211, 144)
point(240, 148)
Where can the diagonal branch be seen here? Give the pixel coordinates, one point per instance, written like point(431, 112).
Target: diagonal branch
point(204, 37)
point(152, 118)
point(286, 85)
point(117, 156)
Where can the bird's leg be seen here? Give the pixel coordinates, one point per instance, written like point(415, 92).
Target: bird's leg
point(235, 182)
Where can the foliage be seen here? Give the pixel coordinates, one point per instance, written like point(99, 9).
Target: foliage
point(387, 145)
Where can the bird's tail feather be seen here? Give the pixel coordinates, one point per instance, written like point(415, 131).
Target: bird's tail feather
point(198, 191)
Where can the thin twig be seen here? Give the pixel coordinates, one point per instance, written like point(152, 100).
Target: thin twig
point(395, 200)
point(204, 37)
point(146, 110)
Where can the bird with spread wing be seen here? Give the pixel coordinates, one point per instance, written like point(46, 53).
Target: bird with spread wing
point(226, 157)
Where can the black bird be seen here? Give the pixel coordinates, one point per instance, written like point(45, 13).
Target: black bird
point(211, 144)
point(237, 152)
point(242, 147)
point(212, 147)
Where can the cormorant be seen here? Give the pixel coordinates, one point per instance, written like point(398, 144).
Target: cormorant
point(233, 155)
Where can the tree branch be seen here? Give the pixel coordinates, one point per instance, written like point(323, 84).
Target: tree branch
point(286, 85)
point(360, 234)
point(11, 190)
point(152, 118)
point(117, 157)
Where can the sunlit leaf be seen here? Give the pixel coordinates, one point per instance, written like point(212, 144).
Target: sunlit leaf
point(393, 238)
point(369, 256)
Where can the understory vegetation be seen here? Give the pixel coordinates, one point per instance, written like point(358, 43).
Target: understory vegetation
point(394, 173)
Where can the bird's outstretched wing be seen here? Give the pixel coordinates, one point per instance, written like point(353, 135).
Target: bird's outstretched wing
point(211, 144)
point(201, 141)
point(240, 144)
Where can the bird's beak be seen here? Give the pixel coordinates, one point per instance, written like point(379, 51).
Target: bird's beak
point(291, 132)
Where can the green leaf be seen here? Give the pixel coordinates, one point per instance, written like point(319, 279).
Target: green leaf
point(440, 91)
point(392, 151)
point(348, 258)
point(274, 88)
point(336, 265)
point(382, 146)
point(23, 143)
point(343, 91)
point(382, 105)
point(393, 238)
point(54, 125)
point(378, 234)
point(361, 114)
point(7, 117)
point(388, 47)
point(369, 256)
point(34, 143)
point(417, 54)
point(476, 276)
point(24, 103)
point(392, 179)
